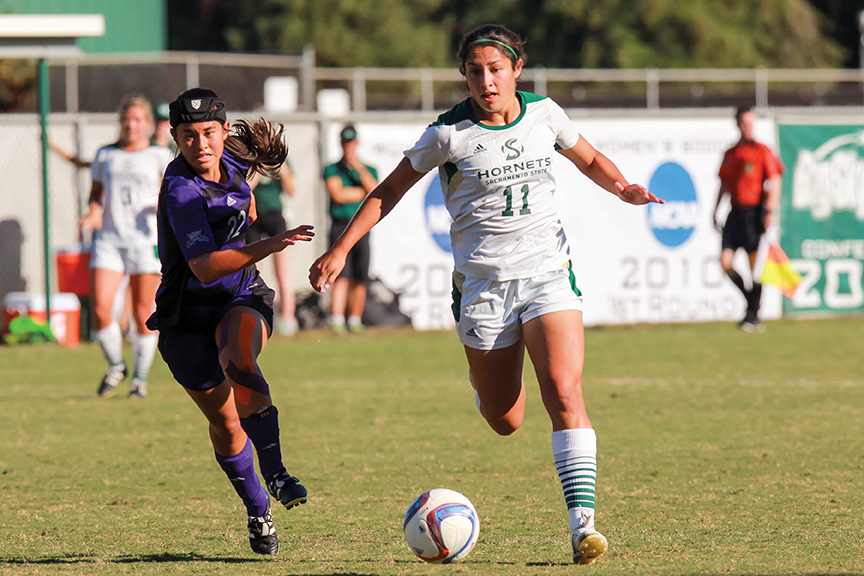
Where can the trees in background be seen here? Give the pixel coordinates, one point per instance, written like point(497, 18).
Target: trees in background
point(559, 33)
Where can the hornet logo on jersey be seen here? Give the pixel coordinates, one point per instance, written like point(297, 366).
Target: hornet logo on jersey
point(514, 147)
point(195, 237)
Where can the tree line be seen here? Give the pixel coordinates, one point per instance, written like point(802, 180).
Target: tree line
point(559, 33)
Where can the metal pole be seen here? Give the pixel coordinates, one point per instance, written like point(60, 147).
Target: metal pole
point(193, 73)
point(861, 39)
point(44, 110)
point(652, 88)
point(427, 90)
point(861, 42)
point(761, 89)
point(358, 90)
point(307, 79)
point(72, 87)
point(540, 86)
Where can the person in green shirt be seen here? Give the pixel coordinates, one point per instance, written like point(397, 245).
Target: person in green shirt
point(348, 181)
point(162, 131)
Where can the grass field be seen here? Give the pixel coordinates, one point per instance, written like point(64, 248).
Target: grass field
point(720, 453)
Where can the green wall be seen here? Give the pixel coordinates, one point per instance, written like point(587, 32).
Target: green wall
point(130, 25)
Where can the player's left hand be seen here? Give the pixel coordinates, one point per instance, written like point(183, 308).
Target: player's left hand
point(302, 233)
point(325, 270)
point(636, 194)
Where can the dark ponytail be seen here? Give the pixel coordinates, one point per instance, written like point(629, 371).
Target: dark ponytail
point(259, 144)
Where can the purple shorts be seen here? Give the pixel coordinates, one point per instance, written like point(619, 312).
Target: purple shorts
point(193, 355)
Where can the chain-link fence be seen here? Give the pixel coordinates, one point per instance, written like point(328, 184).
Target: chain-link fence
point(95, 83)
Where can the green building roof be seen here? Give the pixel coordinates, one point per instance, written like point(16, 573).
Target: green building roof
point(136, 26)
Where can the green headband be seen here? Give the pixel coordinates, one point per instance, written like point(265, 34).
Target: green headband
point(496, 42)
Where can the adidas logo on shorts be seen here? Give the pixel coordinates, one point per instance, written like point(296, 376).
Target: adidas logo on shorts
point(471, 332)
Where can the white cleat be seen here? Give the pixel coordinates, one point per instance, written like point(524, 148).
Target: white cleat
point(138, 388)
point(588, 545)
point(113, 376)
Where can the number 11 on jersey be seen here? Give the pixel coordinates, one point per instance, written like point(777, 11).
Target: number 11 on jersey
point(508, 194)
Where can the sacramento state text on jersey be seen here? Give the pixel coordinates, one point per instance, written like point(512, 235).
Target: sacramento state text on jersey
point(515, 171)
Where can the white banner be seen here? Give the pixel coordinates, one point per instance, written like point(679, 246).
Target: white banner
point(633, 263)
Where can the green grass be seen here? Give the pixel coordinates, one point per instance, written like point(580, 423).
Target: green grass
point(720, 453)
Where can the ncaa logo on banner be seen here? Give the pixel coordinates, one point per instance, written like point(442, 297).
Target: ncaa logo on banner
point(437, 217)
point(673, 223)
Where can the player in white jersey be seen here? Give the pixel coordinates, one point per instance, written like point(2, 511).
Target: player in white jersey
point(514, 287)
point(499, 188)
point(122, 212)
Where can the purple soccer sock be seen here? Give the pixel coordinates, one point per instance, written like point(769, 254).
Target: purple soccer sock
point(263, 429)
point(240, 470)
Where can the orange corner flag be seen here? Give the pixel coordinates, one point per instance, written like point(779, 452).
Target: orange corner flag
point(779, 272)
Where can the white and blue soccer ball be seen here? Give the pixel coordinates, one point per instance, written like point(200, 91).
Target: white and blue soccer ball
point(441, 526)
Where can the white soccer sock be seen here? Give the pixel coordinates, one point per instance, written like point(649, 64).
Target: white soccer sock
point(575, 453)
point(110, 340)
point(143, 351)
point(476, 395)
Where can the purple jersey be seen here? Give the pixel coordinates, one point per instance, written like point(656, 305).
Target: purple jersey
point(195, 217)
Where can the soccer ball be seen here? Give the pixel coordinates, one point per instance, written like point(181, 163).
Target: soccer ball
point(441, 526)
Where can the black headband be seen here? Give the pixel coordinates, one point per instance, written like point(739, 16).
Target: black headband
point(197, 105)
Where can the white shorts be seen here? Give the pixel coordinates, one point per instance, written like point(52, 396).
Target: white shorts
point(132, 260)
point(489, 313)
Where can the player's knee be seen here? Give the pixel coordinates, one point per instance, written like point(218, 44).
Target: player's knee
point(249, 379)
point(232, 354)
point(102, 317)
point(566, 397)
point(226, 429)
point(505, 425)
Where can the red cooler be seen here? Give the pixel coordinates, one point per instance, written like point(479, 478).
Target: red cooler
point(73, 272)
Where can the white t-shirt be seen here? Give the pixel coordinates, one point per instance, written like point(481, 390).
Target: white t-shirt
point(499, 188)
point(131, 182)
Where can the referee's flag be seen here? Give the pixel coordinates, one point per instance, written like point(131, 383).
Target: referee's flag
point(779, 272)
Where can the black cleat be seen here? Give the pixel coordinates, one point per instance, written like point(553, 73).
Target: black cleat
point(262, 534)
point(286, 489)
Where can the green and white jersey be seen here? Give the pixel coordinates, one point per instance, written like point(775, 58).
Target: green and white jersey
point(131, 182)
point(499, 188)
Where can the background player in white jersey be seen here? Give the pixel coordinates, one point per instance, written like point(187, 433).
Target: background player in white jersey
point(514, 287)
point(122, 212)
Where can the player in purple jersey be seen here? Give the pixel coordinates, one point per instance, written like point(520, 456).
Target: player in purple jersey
point(213, 311)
